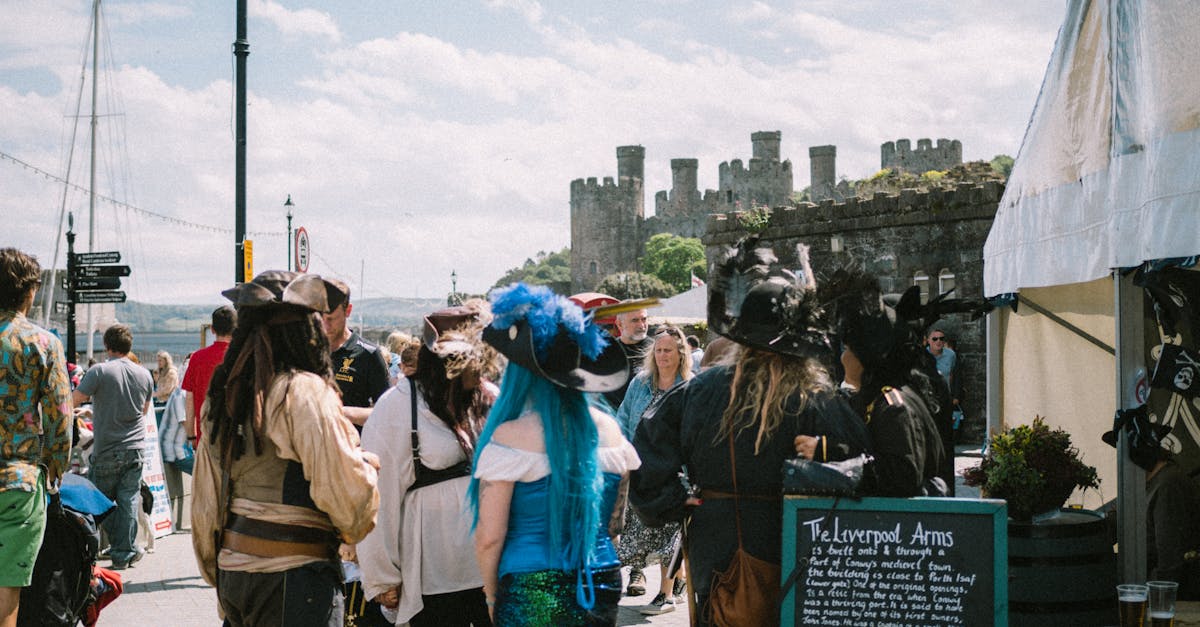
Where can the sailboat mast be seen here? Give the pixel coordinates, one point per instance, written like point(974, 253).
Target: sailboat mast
point(92, 180)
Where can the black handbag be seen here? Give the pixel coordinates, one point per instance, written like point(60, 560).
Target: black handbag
point(811, 478)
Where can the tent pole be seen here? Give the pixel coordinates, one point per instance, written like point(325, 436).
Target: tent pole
point(1131, 480)
point(993, 371)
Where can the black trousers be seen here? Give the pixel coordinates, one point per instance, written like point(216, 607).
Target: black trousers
point(453, 609)
point(306, 596)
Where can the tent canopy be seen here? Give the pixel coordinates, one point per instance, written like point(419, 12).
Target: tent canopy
point(1108, 174)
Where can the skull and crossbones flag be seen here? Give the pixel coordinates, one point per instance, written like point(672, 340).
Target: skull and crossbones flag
point(1178, 370)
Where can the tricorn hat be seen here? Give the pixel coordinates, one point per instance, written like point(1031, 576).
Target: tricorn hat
point(550, 336)
point(757, 305)
point(1145, 437)
point(276, 287)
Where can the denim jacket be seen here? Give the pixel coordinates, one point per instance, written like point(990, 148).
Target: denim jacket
point(637, 399)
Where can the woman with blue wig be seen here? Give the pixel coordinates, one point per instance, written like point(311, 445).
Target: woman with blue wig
point(548, 466)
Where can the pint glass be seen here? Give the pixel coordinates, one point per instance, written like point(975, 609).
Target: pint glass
point(1131, 599)
point(1162, 602)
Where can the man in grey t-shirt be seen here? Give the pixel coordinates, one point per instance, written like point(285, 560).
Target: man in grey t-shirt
point(122, 393)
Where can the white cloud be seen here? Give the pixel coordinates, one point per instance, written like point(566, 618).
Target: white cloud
point(296, 23)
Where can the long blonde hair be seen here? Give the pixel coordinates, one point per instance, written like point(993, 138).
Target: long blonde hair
point(685, 357)
point(763, 382)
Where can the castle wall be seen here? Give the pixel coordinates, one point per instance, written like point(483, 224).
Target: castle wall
point(605, 220)
point(897, 237)
point(899, 155)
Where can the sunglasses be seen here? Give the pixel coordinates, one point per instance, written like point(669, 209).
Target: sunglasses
point(940, 338)
point(675, 333)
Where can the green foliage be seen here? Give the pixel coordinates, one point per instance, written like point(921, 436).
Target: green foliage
point(1033, 467)
point(623, 285)
point(671, 258)
point(1002, 164)
point(550, 269)
point(756, 219)
point(933, 176)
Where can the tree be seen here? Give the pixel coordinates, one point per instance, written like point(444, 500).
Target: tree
point(625, 285)
point(550, 269)
point(671, 258)
point(1002, 164)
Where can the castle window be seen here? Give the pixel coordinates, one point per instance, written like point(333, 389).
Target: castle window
point(920, 279)
point(945, 281)
point(592, 267)
point(729, 196)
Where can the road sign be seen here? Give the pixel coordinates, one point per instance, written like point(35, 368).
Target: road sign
point(99, 283)
point(302, 249)
point(62, 308)
point(91, 272)
point(86, 259)
point(102, 296)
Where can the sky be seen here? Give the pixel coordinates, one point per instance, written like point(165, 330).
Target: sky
point(418, 139)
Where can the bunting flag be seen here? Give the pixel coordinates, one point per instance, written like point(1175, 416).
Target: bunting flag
point(696, 281)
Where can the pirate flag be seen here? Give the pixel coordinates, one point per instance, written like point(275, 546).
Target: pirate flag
point(1178, 371)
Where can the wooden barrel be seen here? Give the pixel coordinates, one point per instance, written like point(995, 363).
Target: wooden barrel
point(1062, 571)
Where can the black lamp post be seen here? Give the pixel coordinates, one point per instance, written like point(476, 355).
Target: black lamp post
point(289, 205)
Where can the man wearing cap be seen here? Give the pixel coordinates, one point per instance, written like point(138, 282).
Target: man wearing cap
point(35, 445)
point(358, 366)
point(280, 478)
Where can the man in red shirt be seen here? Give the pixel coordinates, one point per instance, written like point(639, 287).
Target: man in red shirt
point(200, 367)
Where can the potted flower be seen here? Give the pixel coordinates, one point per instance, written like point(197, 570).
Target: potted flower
point(1033, 467)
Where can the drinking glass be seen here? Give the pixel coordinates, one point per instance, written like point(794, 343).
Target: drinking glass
point(1131, 599)
point(1162, 602)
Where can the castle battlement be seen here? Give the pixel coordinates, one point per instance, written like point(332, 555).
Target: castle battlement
point(910, 206)
point(900, 155)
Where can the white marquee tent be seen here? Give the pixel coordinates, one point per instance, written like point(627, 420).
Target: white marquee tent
point(1108, 176)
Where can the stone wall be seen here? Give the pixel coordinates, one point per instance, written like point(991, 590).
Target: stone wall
point(898, 237)
point(605, 222)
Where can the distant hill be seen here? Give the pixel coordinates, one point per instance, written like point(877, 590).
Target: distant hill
point(392, 313)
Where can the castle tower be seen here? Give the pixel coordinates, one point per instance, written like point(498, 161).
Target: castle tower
point(684, 198)
point(605, 219)
point(766, 145)
point(823, 172)
point(768, 181)
point(900, 156)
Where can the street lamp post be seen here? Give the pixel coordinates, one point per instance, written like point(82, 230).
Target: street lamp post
point(454, 299)
point(289, 206)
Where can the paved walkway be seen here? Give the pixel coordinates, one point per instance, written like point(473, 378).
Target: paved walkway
point(165, 588)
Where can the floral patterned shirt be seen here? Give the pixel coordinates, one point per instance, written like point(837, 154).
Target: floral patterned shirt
point(35, 404)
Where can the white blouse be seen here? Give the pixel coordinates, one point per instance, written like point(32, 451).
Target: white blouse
point(422, 540)
point(498, 462)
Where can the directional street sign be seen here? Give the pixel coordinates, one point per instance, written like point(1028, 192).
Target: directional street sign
point(92, 272)
point(100, 283)
point(62, 308)
point(86, 259)
point(105, 296)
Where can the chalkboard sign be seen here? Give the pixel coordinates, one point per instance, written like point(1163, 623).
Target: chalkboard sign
point(883, 561)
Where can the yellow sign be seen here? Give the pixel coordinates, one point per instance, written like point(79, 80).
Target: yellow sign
point(248, 258)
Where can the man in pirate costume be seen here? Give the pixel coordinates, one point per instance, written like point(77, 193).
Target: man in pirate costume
point(280, 479)
point(731, 427)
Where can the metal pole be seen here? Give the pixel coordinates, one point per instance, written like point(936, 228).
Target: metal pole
point(289, 206)
point(70, 288)
point(241, 49)
point(1131, 480)
point(92, 182)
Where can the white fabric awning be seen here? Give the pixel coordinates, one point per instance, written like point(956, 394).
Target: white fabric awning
point(1109, 171)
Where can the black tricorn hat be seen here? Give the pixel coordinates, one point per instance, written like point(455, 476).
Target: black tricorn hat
point(564, 364)
point(277, 287)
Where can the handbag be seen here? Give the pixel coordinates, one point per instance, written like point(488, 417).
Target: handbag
point(813, 478)
point(747, 591)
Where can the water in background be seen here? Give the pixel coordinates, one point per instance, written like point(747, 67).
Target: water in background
point(146, 345)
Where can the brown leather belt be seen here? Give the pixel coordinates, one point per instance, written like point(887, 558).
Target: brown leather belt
point(263, 547)
point(716, 494)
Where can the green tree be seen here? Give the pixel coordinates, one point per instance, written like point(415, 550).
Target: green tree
point(1002, 164)
point(671, 258)
point(623, 285)
point(550, 269)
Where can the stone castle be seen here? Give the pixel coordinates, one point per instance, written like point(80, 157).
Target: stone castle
point(609, 226)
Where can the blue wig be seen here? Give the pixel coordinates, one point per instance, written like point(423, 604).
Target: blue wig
point(576, 482)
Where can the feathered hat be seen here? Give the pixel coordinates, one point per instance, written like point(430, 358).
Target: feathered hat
point(550, 336)
point(758, 305)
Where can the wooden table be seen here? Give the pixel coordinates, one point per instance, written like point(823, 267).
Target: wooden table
point(1187, 614)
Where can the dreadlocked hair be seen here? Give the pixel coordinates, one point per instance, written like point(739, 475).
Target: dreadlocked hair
point(766, 386)
point(266, 341)
point(462, 410)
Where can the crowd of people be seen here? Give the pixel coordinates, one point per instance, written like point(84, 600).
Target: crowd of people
point(503, 465)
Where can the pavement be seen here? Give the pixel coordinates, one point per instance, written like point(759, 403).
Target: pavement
point(165, 587)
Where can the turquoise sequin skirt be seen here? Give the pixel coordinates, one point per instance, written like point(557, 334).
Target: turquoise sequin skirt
point(547, 598)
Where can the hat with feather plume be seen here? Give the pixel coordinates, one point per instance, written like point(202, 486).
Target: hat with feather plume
point(756, 303)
